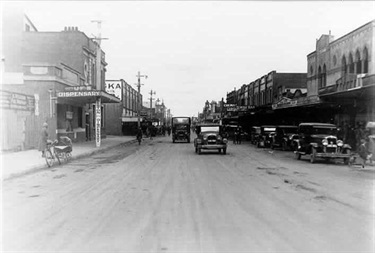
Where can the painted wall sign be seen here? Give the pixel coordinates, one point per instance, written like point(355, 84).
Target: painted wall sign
point(17, 101)
point(114, 88)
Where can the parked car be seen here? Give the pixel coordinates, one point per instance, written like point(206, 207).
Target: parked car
point(254, 134)
point(319, 140)
point(210, 137)
point(265, 136)
point(284, 137)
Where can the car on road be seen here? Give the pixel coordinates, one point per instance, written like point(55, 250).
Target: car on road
point(284, 137)
point(265, 136)
point(319, 140)
point(181, 129)
point(210, 137)
point(254, 134)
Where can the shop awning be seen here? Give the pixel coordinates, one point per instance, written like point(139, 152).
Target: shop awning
point(85, 97)
point(131, 119)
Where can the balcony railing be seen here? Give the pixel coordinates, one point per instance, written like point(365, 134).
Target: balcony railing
point(345, 83)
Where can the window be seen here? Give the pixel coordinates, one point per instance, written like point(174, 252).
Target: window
point(351, 63)
point(365, 61)
point(334, 60)
point(324, 76)
point(358, 62)
point(311, 70)
point(343, 65)
point(319, 77)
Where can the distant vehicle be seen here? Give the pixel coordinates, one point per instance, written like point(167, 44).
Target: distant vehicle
point(265, 136)
point(211, 137)
point(319, 140)
point(284, 137)
point(181, 129)
point(254, 134)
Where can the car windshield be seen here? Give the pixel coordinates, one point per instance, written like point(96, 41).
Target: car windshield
point(324, 130)
point(181, 127)
point(210, 129)
point(290, 130)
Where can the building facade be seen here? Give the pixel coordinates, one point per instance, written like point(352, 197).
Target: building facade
point(60, 70)
point(342, 72)
point(122, 118)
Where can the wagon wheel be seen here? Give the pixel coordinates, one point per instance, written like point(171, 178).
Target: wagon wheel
point(49, 158)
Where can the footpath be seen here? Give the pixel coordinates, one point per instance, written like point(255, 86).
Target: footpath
point(20, 163)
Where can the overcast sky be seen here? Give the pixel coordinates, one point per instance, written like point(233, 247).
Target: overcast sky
point(198, 51)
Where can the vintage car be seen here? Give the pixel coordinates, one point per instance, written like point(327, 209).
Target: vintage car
point(319, 140)
point(254, 134)
point(284, 137)
point(181, 129)
point(265, 136)
point(210, 137)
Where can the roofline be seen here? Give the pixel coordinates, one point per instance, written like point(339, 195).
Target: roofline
point(28, 19)
point(345, 35)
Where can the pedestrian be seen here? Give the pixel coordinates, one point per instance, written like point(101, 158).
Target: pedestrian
point(363, 152)
point(139, 135)
point(239, 137)
point(43, 138)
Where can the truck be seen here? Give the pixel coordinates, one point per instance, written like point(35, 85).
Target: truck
point(181, 129)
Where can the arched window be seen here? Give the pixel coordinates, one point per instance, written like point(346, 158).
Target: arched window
point(365, 61)
point(351, 63)
point(311, 70)
point(358, 63)
point(319, 77)
point(343, 65)
point(324, 76)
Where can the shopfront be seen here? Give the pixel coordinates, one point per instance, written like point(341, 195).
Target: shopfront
point(77, 115)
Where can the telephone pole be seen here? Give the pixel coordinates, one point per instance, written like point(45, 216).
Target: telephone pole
point(151, 93)
point(139, 96)
point(98, 104)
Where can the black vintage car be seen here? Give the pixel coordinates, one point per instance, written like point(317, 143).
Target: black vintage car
point(254, 134)
point(181, 129)
point(319, 140)
point(210, 137)
point(265, 136)
point(284, 137)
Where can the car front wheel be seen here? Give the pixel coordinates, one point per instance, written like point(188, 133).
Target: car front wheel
point(224, 151)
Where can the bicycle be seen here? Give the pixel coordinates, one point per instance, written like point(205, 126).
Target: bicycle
point(58, 151)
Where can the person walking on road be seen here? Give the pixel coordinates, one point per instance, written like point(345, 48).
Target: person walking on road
point(363, 152)
point(43, 137)
point(139, 135)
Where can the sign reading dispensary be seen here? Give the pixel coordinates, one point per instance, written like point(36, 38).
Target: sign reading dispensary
point(70, 94)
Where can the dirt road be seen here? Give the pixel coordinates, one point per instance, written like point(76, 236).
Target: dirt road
point(162, 197)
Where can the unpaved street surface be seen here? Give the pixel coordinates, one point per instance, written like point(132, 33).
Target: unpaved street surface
point(162, 197)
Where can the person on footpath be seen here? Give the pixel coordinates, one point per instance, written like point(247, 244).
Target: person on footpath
point(43, 137)
point(363, 152)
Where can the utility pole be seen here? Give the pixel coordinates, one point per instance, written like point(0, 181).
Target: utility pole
point(151, 93)
point(139, 96)
point(98, 103)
